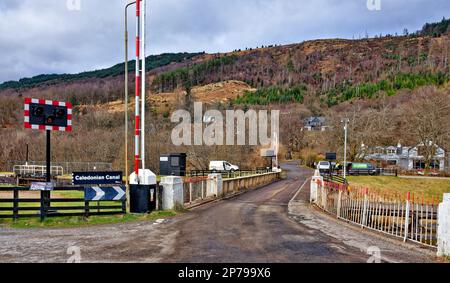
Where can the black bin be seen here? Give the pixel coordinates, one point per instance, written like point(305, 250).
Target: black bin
point(173, 164)
point(142, 198)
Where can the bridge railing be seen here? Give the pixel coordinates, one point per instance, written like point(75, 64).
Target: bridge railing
point(194, 189)
point(228, 174)
point(406, 216)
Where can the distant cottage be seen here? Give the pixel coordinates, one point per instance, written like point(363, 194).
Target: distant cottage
point(315, 124)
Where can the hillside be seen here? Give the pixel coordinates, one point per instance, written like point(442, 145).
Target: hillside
point(332, 70)
point(377, 79)
point(152, 62)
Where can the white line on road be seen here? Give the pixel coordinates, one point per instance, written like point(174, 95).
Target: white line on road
point(300, 189)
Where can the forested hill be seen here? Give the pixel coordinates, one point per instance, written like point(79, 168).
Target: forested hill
point(152, 62)
point(330, 70)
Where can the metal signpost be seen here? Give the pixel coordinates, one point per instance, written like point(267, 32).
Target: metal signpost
point(47, 115)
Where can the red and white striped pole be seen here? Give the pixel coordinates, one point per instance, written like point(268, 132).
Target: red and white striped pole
point(137, 91)
point(143, 82)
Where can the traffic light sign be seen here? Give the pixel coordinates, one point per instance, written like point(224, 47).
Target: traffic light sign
point(47, 115)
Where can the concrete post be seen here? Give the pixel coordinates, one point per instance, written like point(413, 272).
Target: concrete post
point(443, 233)
point(214, 185)
point(172, 194)
point(339, 204)
point(314, 187)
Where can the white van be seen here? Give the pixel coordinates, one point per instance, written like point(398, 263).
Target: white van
point(324, 166)
point(222, 166)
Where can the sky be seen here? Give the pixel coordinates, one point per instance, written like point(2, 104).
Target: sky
point(71, 36)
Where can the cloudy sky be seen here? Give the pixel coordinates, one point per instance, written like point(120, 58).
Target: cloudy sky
point(53, 36)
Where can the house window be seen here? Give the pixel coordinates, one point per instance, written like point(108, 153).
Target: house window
point(391, 151)
point(419, 165)
point(392, 162)
point(435, 164)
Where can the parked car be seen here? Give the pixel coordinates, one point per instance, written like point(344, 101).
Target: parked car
point(324, 166)
point(222, 166)
point(361, 169)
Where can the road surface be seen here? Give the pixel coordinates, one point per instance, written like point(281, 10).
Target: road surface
point(256, 227)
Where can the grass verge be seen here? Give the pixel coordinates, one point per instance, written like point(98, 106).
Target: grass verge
point(385, 184)
point(73, 222)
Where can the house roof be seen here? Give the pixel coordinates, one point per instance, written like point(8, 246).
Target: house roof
point(311, 120)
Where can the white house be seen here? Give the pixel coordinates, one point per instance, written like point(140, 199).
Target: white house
point(315, 124)
point(408, 158)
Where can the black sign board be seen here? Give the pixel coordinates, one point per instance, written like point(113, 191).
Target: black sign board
point(330, 156)
point(48, 115)
point(96, 178)
point(116, 193)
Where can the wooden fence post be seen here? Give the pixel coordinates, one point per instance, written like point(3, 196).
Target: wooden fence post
point(86, 209)
point(16, 204)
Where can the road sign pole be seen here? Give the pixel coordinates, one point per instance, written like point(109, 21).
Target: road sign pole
point(45, 195)
point(48, 156)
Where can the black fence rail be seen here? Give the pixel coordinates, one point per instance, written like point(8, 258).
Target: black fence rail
point(334, 179)
point(65, 201)
point(228, 174)
point(363, 172)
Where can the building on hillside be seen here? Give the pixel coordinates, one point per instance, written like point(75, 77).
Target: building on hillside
point(315, 124)
point(406, 158)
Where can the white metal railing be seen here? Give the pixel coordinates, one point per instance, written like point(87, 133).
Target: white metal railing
point(195, 189)
point(37, 170)
point(407, 217)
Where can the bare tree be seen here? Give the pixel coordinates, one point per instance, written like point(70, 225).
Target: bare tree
point(428, 120)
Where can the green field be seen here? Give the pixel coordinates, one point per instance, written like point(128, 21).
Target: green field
point(384, 184)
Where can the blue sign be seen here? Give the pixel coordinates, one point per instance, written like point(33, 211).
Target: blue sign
point(96, 178)
point(95, 193)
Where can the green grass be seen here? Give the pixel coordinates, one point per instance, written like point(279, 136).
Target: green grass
point(71, 222)
point(6, 186)
point(429, 188)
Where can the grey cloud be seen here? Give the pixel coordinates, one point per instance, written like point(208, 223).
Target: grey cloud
point(45, 37)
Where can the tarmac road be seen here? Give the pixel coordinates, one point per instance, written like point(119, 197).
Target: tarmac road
point(255, 227)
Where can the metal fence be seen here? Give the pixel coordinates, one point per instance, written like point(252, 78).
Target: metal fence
point(229, 174)
point(407, 217)
point(195, 189)
point(68, 167)
point(37, 171)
